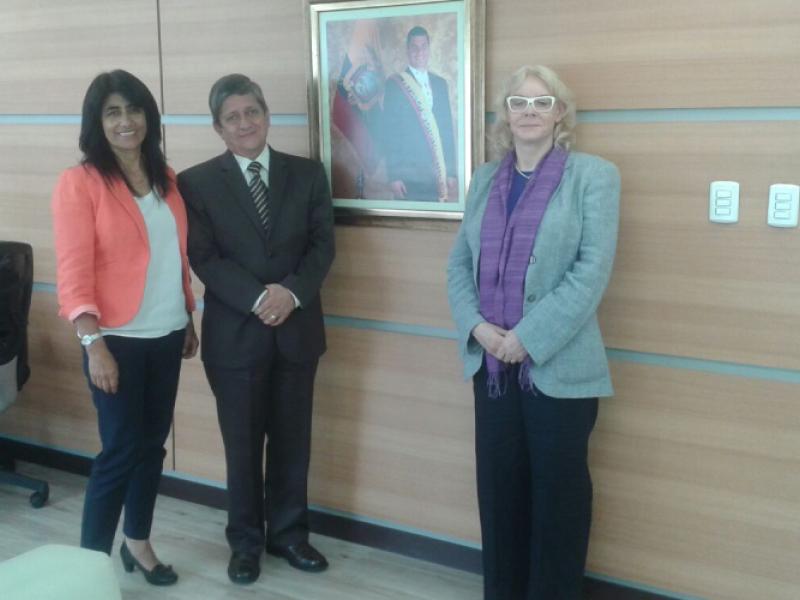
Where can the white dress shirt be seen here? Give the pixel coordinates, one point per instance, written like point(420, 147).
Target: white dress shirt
point(425, 83)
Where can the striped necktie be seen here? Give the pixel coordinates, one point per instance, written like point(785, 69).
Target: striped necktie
point(260, 194)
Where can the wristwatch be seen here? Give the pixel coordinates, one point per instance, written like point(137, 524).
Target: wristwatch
point(89, 338)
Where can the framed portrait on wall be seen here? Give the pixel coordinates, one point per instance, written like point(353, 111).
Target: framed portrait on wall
point(396, 103)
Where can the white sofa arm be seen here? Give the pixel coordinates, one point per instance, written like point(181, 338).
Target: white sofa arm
point(56, 572)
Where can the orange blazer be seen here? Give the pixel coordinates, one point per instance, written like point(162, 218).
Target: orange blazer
point(102, 251)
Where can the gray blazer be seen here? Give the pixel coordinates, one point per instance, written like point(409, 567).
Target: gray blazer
point(567, 275)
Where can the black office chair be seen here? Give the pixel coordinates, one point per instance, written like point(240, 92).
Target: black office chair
point(16, 283)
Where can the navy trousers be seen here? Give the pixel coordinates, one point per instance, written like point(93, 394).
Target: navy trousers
point(134, 424)
point(534, 491)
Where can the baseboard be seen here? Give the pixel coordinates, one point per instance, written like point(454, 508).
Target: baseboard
point(449, 554)
point(366, 534)
point(341, 527)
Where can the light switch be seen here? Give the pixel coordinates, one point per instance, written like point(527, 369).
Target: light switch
point(783, 205)
point(723, 202)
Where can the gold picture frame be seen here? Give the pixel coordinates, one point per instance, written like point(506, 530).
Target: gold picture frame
point(396, 103)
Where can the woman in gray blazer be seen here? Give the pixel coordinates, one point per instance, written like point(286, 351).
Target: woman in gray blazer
point(527, 271)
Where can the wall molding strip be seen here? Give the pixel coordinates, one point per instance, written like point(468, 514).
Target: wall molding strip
point(281, 120)
point(649, 589)
point(685, 115)
point(391, 327)
point(715, 367)
point(633, 115)
point(691, 115)
point(40, 119)
point(44, 288)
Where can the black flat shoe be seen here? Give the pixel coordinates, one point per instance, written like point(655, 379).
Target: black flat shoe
point(301, 555)
point(243, 568)
point(158, 575)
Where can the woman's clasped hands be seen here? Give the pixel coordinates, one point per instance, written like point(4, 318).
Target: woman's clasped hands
point(501, 343)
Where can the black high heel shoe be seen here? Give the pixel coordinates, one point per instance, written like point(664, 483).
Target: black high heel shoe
point(158, 575)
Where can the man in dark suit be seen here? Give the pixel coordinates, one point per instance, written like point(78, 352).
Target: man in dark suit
point(261, 240)
point(418, 128)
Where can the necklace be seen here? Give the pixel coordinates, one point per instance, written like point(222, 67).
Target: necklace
point(521, 172)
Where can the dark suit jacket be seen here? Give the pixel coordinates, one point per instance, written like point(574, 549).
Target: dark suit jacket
point(408, 155)
point(233, 256)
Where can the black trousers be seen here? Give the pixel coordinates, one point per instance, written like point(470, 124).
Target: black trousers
point(534, 491)
point(134, 424)
point(271, 402)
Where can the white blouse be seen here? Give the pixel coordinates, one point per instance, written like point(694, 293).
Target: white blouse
point(163, 307)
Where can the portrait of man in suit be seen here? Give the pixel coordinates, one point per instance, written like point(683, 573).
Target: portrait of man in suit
point(261, 240)
point(418, 137)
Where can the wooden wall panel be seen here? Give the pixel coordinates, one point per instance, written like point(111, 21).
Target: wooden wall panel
point(51, 50)
point(613, 53)
point(651, 54)
point(33, 157)
point(390, 448)
point(696, 480)
point(685, 286)
point(198, 443)
point(391, 274)
point(203, 40)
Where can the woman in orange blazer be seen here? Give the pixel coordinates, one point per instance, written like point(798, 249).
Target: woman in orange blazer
point(123, 281)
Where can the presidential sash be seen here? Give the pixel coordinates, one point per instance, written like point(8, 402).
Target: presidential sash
point(424, 111)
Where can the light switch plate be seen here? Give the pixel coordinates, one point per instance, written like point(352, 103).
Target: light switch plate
point(784, 199)
point(723, 202)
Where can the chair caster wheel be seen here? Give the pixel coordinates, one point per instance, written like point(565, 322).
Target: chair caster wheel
point(39, 499)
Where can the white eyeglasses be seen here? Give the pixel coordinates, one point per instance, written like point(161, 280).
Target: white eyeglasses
point(518, 104)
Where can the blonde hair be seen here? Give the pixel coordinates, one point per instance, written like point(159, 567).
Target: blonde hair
point(500, 138)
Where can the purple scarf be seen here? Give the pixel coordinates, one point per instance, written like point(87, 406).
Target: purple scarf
point(506, 248)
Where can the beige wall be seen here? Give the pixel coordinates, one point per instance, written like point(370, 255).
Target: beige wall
point(695, 460)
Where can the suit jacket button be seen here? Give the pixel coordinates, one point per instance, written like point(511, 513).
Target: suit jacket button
point(531, 298)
